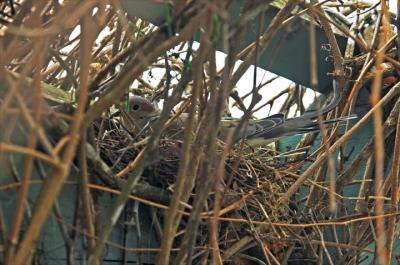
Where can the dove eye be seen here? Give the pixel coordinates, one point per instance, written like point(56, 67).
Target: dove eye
point(136, 107)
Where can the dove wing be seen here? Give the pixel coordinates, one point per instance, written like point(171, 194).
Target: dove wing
point(260, 127)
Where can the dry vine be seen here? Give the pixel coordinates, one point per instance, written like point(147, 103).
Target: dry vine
point(66, 69)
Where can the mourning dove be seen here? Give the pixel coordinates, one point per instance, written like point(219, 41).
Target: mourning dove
point(262, 131)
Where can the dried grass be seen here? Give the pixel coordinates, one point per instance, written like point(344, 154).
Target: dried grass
point(214, 202)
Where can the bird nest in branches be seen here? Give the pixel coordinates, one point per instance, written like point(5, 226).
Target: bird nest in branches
point(252, 184)
point(250, 173)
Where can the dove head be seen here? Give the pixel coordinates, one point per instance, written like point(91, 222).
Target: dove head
point(140, 108)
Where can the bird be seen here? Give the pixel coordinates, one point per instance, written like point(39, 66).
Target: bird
point(258, 132)
point(140, 113)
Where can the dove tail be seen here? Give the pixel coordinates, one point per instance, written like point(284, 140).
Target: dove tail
point(314, 125)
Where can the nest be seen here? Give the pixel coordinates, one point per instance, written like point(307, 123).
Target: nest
point(252, 185)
